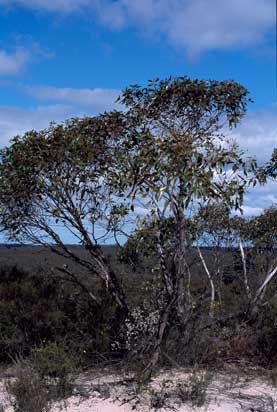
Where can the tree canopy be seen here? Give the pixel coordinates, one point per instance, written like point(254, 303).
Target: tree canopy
point(166, 154)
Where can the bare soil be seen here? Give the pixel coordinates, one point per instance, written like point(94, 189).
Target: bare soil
point(230, 390)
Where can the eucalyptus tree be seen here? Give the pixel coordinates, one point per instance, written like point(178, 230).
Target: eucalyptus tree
point(180, 159)
point(166, 153)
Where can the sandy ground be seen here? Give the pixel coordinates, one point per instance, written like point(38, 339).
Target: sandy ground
point(229, 391)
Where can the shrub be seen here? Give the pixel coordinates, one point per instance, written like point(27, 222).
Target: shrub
point(27, 391)
point(44, 316)
point(194, 391)
point(55, 367)
point(54, 311)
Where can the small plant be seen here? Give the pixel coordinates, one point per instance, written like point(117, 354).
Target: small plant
point(273, 376)
point(27, 392)
point(194, 391)
point(159, 398)
point(54, 366)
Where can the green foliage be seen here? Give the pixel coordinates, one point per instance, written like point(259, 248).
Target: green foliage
point(187, 97)
point(194, 390)
point(178, 148)
point(47, 375)
point(31, 310)
point(262, 230)
point(271, 168)
point(27, 391)
point(168, 138)
point(216, 227)
point(36, 170)
point(265, 332)
point(141, 251)
point(53, 362)
point(38, 308)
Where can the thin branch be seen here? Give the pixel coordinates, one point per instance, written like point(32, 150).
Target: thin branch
point(261, 291)
point(211, 283)
point(246, 284)
point(73, 278)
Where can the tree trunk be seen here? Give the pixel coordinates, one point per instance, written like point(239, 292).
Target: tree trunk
point(211, 313)
point(262, 289)
point(146, 374)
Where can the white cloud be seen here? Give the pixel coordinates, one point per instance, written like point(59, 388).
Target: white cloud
point(192, 25)
point(249, 211)
point(62, 103)
point(96, 99)
point(13, 63)
point(195, 25)
point(257, 134)
point(202, 25)
point(260, 198)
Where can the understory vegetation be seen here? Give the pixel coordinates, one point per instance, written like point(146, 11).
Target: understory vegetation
point(41, 310)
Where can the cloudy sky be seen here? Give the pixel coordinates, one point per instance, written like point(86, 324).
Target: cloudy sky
point(62, 58)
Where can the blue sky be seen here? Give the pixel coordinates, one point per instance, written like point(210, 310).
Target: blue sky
point(62, 58)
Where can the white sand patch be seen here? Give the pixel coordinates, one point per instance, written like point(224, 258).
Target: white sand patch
point(228, 391)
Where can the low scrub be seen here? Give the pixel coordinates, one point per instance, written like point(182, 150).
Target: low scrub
point(55, 367)
point(27, 390)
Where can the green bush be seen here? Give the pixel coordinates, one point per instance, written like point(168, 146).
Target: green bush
point(55, 366)
point(54, 311)
point(27, 391)
point(194, 390)
point(44, 316)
